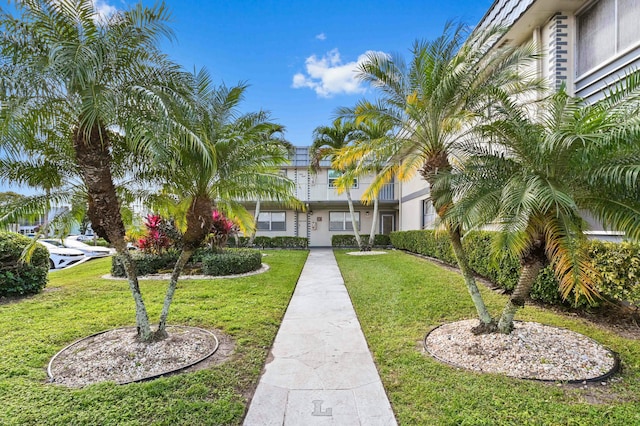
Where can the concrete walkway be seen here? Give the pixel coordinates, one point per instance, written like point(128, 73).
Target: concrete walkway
point(320, 371)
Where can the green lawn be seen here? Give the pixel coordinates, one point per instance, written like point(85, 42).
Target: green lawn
point(77, 302)
point(399, 297)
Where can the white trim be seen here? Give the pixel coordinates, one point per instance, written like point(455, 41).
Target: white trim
point(617, 55)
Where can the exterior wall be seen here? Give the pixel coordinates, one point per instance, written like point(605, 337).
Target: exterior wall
point(554, 25)
point(320, 235)
point(318, 220)
point(558, 43)
point(319, 199)
point(413, 193)
point(290, 223)
point(411, 216)
point(592, 85)
point(315, 186)
point(557, 23)
point(621, 55)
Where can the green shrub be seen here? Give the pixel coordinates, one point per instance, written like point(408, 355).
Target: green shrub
point(619, 267)
point(502, 271)
point(242, 242)
point(231, 262)
point(146, 263)
point(349, 240)
point(617, 263)
point(102, 243)
point(19, 278)
point(545, 289)
point(289, 242)
point(99, 242)
point(263, 242)
point(425, 242)
point(271, 242)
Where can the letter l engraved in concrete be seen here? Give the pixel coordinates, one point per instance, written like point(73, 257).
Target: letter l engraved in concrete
point(317, 409)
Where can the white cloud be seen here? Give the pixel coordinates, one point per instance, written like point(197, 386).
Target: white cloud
point(103, 9)
point(321, 36)
point(328, 76)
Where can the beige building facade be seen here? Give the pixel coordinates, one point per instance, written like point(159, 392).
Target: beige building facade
point(586, 45)
point(327, 212)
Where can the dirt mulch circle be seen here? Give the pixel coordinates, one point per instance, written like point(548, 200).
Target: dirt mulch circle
point(532, 351)
point(117, 356)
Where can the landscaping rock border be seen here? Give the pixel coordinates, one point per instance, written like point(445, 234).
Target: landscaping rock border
point(532, 351)
point(116, 355)
point(366, 253)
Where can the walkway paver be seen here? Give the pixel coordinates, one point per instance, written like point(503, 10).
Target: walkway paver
point(320, 370)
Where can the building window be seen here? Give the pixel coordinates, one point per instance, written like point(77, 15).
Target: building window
point(428, 214)
point(628, 28)
point(605, 29)
point(272, 221)
point(341, 221)
point(334, 174)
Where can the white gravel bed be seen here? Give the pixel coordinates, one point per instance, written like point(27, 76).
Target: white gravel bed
point(263, 268)
point(531, 351)
point(366, 253)
point(117, 356)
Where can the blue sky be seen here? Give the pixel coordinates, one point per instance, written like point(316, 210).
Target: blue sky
point(297, 56)
point(268, 43)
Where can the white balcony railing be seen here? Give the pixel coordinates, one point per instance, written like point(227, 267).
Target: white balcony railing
point(321, 191)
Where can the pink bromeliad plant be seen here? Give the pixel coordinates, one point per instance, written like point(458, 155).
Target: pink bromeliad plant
point(221, 228)
point(155, 241)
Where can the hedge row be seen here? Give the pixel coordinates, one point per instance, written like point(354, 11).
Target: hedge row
point(20, 278)
point(618, 264)
point(349, 240)
point(146, 263)
point(229, 262)
point(271, 242)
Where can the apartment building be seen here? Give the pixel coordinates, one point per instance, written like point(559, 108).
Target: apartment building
point(588, 45)
point(327, 212)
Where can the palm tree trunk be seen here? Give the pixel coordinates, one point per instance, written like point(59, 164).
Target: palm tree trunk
point(199, 221)
point(185, 255)
point(143, 326)
point(487, 324)
point(255, 221)
point(374, 223)
point(356, 233)
point(528, 276)
point(94, 158)
point(47, 209)
point(434, 165)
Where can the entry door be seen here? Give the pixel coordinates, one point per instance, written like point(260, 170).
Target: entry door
point(387, 223)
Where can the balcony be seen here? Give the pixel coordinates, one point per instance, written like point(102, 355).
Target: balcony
point(320, 191)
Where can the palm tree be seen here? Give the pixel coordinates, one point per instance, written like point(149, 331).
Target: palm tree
point(433, 102)
point(327, 143)
point(290, 149)
point(242, 162)
point(541, 172)
point(64, 67)
point(41, 165)
point(370, 131)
